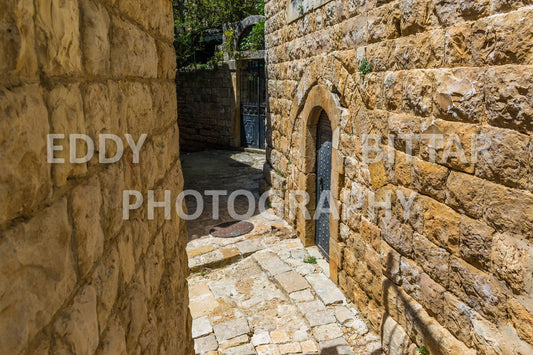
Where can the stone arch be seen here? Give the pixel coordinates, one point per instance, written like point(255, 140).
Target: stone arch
point(240, 29)
point(331, 75)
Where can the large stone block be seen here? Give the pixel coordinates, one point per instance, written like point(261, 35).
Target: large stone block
point(25, 178)
point(466, 194)
point(88, 232)
point(522, 319)
point(76, 329)
point(133, 52)
point(450, 12)
point(478, 290)
point(65, 105)
point(441, 225)
point(458, 51)
point(416, 16)
point(509, 209)
point(475, 242)
point(434, 260)
point(105, 281)
point(37, 275)
point(95, 38)
point(512, 262)
point(459, 95)
point(384, 23)
point(57, 25)
point(509, 97)
point(505, 39)
point(423, 50)
point(166, 61)
point(429, 179)
point(17, 45)
point(508, 160)
point(134, 107)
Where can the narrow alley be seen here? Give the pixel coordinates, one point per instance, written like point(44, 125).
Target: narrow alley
point(262, 292)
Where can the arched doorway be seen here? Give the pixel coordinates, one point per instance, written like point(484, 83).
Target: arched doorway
point(324, 147)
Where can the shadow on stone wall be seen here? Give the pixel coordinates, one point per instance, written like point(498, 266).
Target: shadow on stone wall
point(207, 109)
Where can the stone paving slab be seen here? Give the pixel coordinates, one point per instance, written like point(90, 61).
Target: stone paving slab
point(326, 289)
point(269, 301)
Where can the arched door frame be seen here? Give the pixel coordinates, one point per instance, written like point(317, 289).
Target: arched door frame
point(318, 99)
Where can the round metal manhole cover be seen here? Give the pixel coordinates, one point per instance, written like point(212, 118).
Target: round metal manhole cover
point(231, 229)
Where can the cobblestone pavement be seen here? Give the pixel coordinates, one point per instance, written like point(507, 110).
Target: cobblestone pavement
point(264, 293)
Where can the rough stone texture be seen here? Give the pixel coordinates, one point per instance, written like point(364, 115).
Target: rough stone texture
point(451, 273)
point(74, 276)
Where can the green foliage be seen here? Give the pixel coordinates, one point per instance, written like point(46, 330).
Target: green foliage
point(301, 10)
point(256, 39)
point(194, 18)
point(364, 68)
point(422, 350)
point(310, 260)
point(229, 34)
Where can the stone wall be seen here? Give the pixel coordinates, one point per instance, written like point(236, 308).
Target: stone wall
point(74, 276)
point(454, 274)
point(208, 109)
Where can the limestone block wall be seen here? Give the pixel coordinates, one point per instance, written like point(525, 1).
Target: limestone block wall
point(74, 276)
point(454, 275)
point(208, 109)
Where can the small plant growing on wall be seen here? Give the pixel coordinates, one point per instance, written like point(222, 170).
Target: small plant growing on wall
point(229, 35)
point(422, 350)
point(301, 10)
point(364, 68)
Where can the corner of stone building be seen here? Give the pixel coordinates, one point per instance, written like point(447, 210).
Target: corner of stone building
point(74, 276)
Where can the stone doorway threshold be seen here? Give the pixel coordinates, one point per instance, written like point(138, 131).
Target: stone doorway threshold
point(256, 294)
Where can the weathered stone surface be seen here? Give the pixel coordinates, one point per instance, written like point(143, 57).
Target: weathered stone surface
point(205, 344)
point(325, 289)
point(447, 68)
point(58, 37)
point(271, 263)
point(320, 318)
point(327, 332)
point(18, 43)
point(75, 277)
point(511, 261)
point(95, 38)
point(88, 233)
point(509, 209)
point(478, 290)
point(395, 340)
point(509, 162)
point(133, 52)
point(25, 181)
point(522, 319)
point(64, 103)
point(292, 281)
point(36, 262)
point(201, 327)
point(509, 96)
point(77, 328)
point(231, 329)
point(459, 96)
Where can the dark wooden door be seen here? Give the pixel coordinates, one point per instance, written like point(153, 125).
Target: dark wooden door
point(323, 186)
point(253, 104)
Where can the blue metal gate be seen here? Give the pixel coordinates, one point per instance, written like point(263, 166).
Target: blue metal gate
point(253, 104)
point(323, 186)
